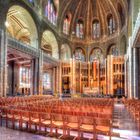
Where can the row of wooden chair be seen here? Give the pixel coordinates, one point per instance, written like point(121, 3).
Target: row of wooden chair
point(133, 107)
point(8, 101)
point(94, 125)
point(89, 115)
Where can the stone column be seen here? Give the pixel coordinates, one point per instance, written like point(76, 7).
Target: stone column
point(105, 76)
point(3, 63)
point(34, 76)
point(130, 73)
point(60, 79)
point(57, 80)
point(54, 80)
point(135, 72)
point(126, 76)
point(40, 74)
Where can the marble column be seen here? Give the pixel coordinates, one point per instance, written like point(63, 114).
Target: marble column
point(89, 74)
point(130, 73)
point(40, 75)
point(60, 79)
point(3, 63)
point(126, 76)
point(135, 72)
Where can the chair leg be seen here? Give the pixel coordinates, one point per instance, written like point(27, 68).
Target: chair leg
point(13, 125)
point(51, 130)
point(6, 123)
point(39, 128)
point(35, 127)
point(94, 136)
point(78, 135)
point(29, 126)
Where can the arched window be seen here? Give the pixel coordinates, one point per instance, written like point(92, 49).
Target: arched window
point(113, 50)
point(25, 77)
point(80, 29)
point(96, 29)
point(121, 14)
point(111, 24)
point(79, 54)
point(96, 54)
point(51, 12)
point(66, 25)
point(46, 81)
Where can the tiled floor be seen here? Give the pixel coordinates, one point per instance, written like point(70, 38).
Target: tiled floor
point(9, 134)
point(123, 126)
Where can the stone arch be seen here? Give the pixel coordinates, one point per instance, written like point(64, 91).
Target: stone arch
point(21, 26)
point(49, 41)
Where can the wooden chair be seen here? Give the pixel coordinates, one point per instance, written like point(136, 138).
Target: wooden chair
point(73, 123)
point(103, 126)
point(24, 119)
point(57, 121)
point(9, 117)
point(16, 117)
point(87, 124)
point(3, 115)
point(33, 120)
point(45, 121)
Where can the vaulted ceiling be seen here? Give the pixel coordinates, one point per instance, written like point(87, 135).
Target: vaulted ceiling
point(88, 10)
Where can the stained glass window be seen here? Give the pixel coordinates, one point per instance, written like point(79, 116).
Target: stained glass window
point(25, 77)
point(97, 55)
point(114, 51)
point(79, 55)
point(111, 25)
point(96, 29)
point(51, 12)
point(66, 25)
point(46, 81)
point(80, 29)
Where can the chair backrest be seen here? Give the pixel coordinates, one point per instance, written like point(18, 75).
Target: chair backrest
point(45, 116)
point(72, 118)
point(87, 120)
point(103, 122)
point(57, 117)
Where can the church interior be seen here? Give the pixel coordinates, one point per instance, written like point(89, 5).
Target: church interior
point(69, 69)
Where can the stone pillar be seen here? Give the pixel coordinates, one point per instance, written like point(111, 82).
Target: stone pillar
point(126, 77)
point(130, 75)
point(54, 80)
point(135, 72)
point(40, 74)
point(16, 78)
point(57, 79)
point(74, 77)
point(60, 78)
point(3, 63)
point(105, 76)
point(34, 76)
point(89, 74)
